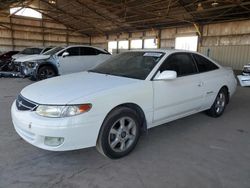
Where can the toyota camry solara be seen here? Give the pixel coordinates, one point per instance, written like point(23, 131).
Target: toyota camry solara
point(110, 105)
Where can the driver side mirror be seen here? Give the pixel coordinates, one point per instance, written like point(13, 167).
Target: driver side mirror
point(166, 75)
point(65, 54)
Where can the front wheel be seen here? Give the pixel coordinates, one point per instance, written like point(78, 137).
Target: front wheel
point(219, 104)
point(119, 133)
point(45, 72)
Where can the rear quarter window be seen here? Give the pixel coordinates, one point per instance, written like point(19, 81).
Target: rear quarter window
point(203, 64)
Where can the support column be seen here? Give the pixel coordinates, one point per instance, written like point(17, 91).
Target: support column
point(129, 41)
point(159, 39)
point(12, 34)
point(143, 36)
point(117, 44)
point(43, 37)
point(67, 36)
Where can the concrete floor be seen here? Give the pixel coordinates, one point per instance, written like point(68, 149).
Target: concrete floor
point(193, 152)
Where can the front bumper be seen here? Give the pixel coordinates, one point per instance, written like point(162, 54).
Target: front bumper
point(26, 71)
point(77, 131)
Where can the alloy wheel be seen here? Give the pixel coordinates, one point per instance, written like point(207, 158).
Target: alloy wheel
point(220, 103)
point(122, 134)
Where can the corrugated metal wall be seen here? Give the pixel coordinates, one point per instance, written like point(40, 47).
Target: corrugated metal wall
point(228, 43)
point(233, 56)
point(17, 32)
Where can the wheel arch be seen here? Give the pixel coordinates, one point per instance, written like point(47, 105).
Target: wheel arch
point(227, 90)
point(47, 64)
point(138, 110)
point(133, 106)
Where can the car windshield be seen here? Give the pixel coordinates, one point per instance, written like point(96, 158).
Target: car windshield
point(30, 51)
point(53, 51)
point(136, 65)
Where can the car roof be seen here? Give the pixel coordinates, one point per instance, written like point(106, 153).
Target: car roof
point(84, 46)
point(168, 51)
point(165, 50)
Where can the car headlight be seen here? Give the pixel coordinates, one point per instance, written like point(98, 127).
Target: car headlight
point(30, 64)
point(62, 111)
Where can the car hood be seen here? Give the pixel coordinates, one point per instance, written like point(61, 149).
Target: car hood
point(64, 89)
point(18, 56)
point(32, 58)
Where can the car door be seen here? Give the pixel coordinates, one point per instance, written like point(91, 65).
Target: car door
point(70, 63)
point(210, 77)
point(181, 96)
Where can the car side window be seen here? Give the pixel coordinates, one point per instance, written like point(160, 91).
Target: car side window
point(36, 50)
point(88, 51)
point(46, 49)
point(204, 64)
point(182, 63)
point(74, 51)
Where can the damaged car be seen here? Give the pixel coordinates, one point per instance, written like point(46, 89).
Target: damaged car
point(62, 60)
point(15, 63)
point(5, 60)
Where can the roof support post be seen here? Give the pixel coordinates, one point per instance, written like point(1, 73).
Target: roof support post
point(12, 34)
point(43, 37)
point(158, 38)
point(129, 40)
point(143, 36)
point(67, 36)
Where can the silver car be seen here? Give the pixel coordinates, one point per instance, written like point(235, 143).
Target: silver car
point(62, 60)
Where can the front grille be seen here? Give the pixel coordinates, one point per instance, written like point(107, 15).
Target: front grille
point(24, 104)
point(21, 70)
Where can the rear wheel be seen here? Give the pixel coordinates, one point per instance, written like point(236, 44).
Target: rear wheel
point(219, 104)
point(45, 72)
point(119, 133)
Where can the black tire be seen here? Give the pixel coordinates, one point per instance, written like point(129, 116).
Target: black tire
point(10, 66)
point(126, 138)
point(219, 104)
point(45, 72)
point(32, 78)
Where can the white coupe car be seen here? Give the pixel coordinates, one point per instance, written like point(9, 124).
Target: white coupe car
point(110, 105)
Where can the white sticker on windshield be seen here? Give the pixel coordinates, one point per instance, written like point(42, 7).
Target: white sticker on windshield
point(152, 54)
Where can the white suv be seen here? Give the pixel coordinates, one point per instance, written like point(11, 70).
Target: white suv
point(62, 60)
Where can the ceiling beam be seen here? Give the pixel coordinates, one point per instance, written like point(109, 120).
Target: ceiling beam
point(74, 17)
